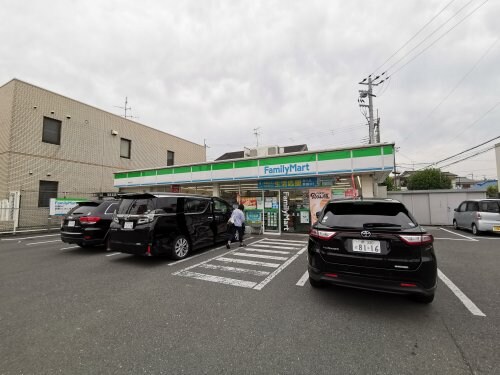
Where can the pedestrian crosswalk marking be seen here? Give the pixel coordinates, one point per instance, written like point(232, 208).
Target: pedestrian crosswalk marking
point(262, 256)
point(234, 269)
point(250, 262)
point(264, 245)
point(218, 279)
point(265, 253)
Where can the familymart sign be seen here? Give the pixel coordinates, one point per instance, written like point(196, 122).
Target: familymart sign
point(328, 162)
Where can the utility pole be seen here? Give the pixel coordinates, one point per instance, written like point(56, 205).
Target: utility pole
point(369, 93)
point(206, 146)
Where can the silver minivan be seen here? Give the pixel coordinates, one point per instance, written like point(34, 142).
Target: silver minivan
point(478, 215)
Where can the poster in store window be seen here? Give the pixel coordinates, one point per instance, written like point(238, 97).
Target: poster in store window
point(250, 203)
point(317, 199)
point(304, 217)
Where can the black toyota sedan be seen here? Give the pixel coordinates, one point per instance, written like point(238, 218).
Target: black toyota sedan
point(373, 244)
point(87, 224)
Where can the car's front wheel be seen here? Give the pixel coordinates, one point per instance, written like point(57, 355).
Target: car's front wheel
point(180, 247)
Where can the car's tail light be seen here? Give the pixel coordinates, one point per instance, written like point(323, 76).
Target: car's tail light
point(408, 285)
point(146, 219)
point(417, 239)
point(89, 219)
point(322, 234)
point(478, 215)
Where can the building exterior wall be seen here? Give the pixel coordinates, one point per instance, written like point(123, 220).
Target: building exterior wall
point(434, 207)
point(88, 154)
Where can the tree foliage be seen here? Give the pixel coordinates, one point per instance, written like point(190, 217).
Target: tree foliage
point(389, 182)
point(429, 179)
point(492, 191)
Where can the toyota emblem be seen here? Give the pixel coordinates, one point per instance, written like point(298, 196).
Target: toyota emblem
point(365, 234)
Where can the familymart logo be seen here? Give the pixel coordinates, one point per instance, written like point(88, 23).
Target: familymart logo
point(285, 169)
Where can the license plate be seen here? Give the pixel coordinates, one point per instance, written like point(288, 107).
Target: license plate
point(496, 228)
point(366, 246)
point(128, 225)
point(71, 223)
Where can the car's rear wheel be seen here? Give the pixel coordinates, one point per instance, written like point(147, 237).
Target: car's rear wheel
point(180, 247)
point(475, 231)
point(455, 225)
point(316, 283)
point(422, 298)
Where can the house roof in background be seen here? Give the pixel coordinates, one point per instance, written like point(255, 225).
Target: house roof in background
point(241, 154)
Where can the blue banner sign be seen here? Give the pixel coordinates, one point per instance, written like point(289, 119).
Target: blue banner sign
point(288, 184)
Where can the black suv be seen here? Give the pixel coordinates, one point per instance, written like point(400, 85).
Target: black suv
point(87, 224)
point(373, 244)
point(168, 223)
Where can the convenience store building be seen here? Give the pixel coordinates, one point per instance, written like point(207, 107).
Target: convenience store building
point(281, 193)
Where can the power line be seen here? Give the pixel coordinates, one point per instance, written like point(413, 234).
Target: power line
point(413, 37)
point(460, 153)
point(468, 157)
point(435, 41)
point(455, 87)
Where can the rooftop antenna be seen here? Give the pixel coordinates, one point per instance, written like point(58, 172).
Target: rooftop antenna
point(256, 133)
point(125, 109)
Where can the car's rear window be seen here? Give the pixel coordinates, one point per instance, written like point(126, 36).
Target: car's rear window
point(84, 208)
point(135, 206)
point(360, 214)
point(491, 206)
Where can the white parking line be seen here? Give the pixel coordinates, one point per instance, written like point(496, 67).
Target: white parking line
point(450, 239)
point(197, 255)
point(218, 279)
point(261, 256)
point(461, 296)
point(234, 269)
point(282, 243)
point(110, 255)
point(303, 279)
point(37, 243)
point(267, 251)
point(67, 248)
point(289, 241)
point(460, 235)
point(277, 271)
point(29, 238)
point(266, 246)
point(250, 262)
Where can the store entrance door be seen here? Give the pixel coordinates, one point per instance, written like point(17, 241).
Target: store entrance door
point(271, 218)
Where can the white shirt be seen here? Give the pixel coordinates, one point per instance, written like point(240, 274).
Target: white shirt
point(239, 217)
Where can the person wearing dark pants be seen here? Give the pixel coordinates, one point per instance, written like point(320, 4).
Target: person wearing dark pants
point(238, 224)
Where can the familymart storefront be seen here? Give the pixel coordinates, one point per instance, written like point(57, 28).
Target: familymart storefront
point(280, 193)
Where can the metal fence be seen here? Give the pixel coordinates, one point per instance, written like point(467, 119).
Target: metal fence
point(24, 211)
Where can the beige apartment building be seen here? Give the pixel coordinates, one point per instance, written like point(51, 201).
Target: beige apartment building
point(52, 146)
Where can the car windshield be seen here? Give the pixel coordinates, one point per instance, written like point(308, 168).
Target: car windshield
point(366, 214)
point(135, 206)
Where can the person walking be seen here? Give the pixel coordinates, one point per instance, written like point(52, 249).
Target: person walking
point(237, 221)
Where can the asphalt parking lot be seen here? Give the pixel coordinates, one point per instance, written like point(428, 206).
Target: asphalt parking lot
point(241, 311)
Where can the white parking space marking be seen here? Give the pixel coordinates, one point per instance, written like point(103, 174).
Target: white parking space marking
point(276, 272)
point(71, 247)
point(38, 243)
point(281, 243)
point(303, 279)
point(234, 269)
point(267, 251)
point(197, 255)
point(286, 241)
point(29, 238)
point(249, 262)
point(113, 254)
point(262, 256)
point(460, 235)
point(218, 279)
point(265, 246)
point(461, 296)
point(451, 239)
point(259, 251)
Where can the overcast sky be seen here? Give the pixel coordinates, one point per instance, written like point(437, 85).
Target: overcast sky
point(215, 70)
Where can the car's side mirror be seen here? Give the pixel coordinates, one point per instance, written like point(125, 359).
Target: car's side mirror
point(317, 214)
